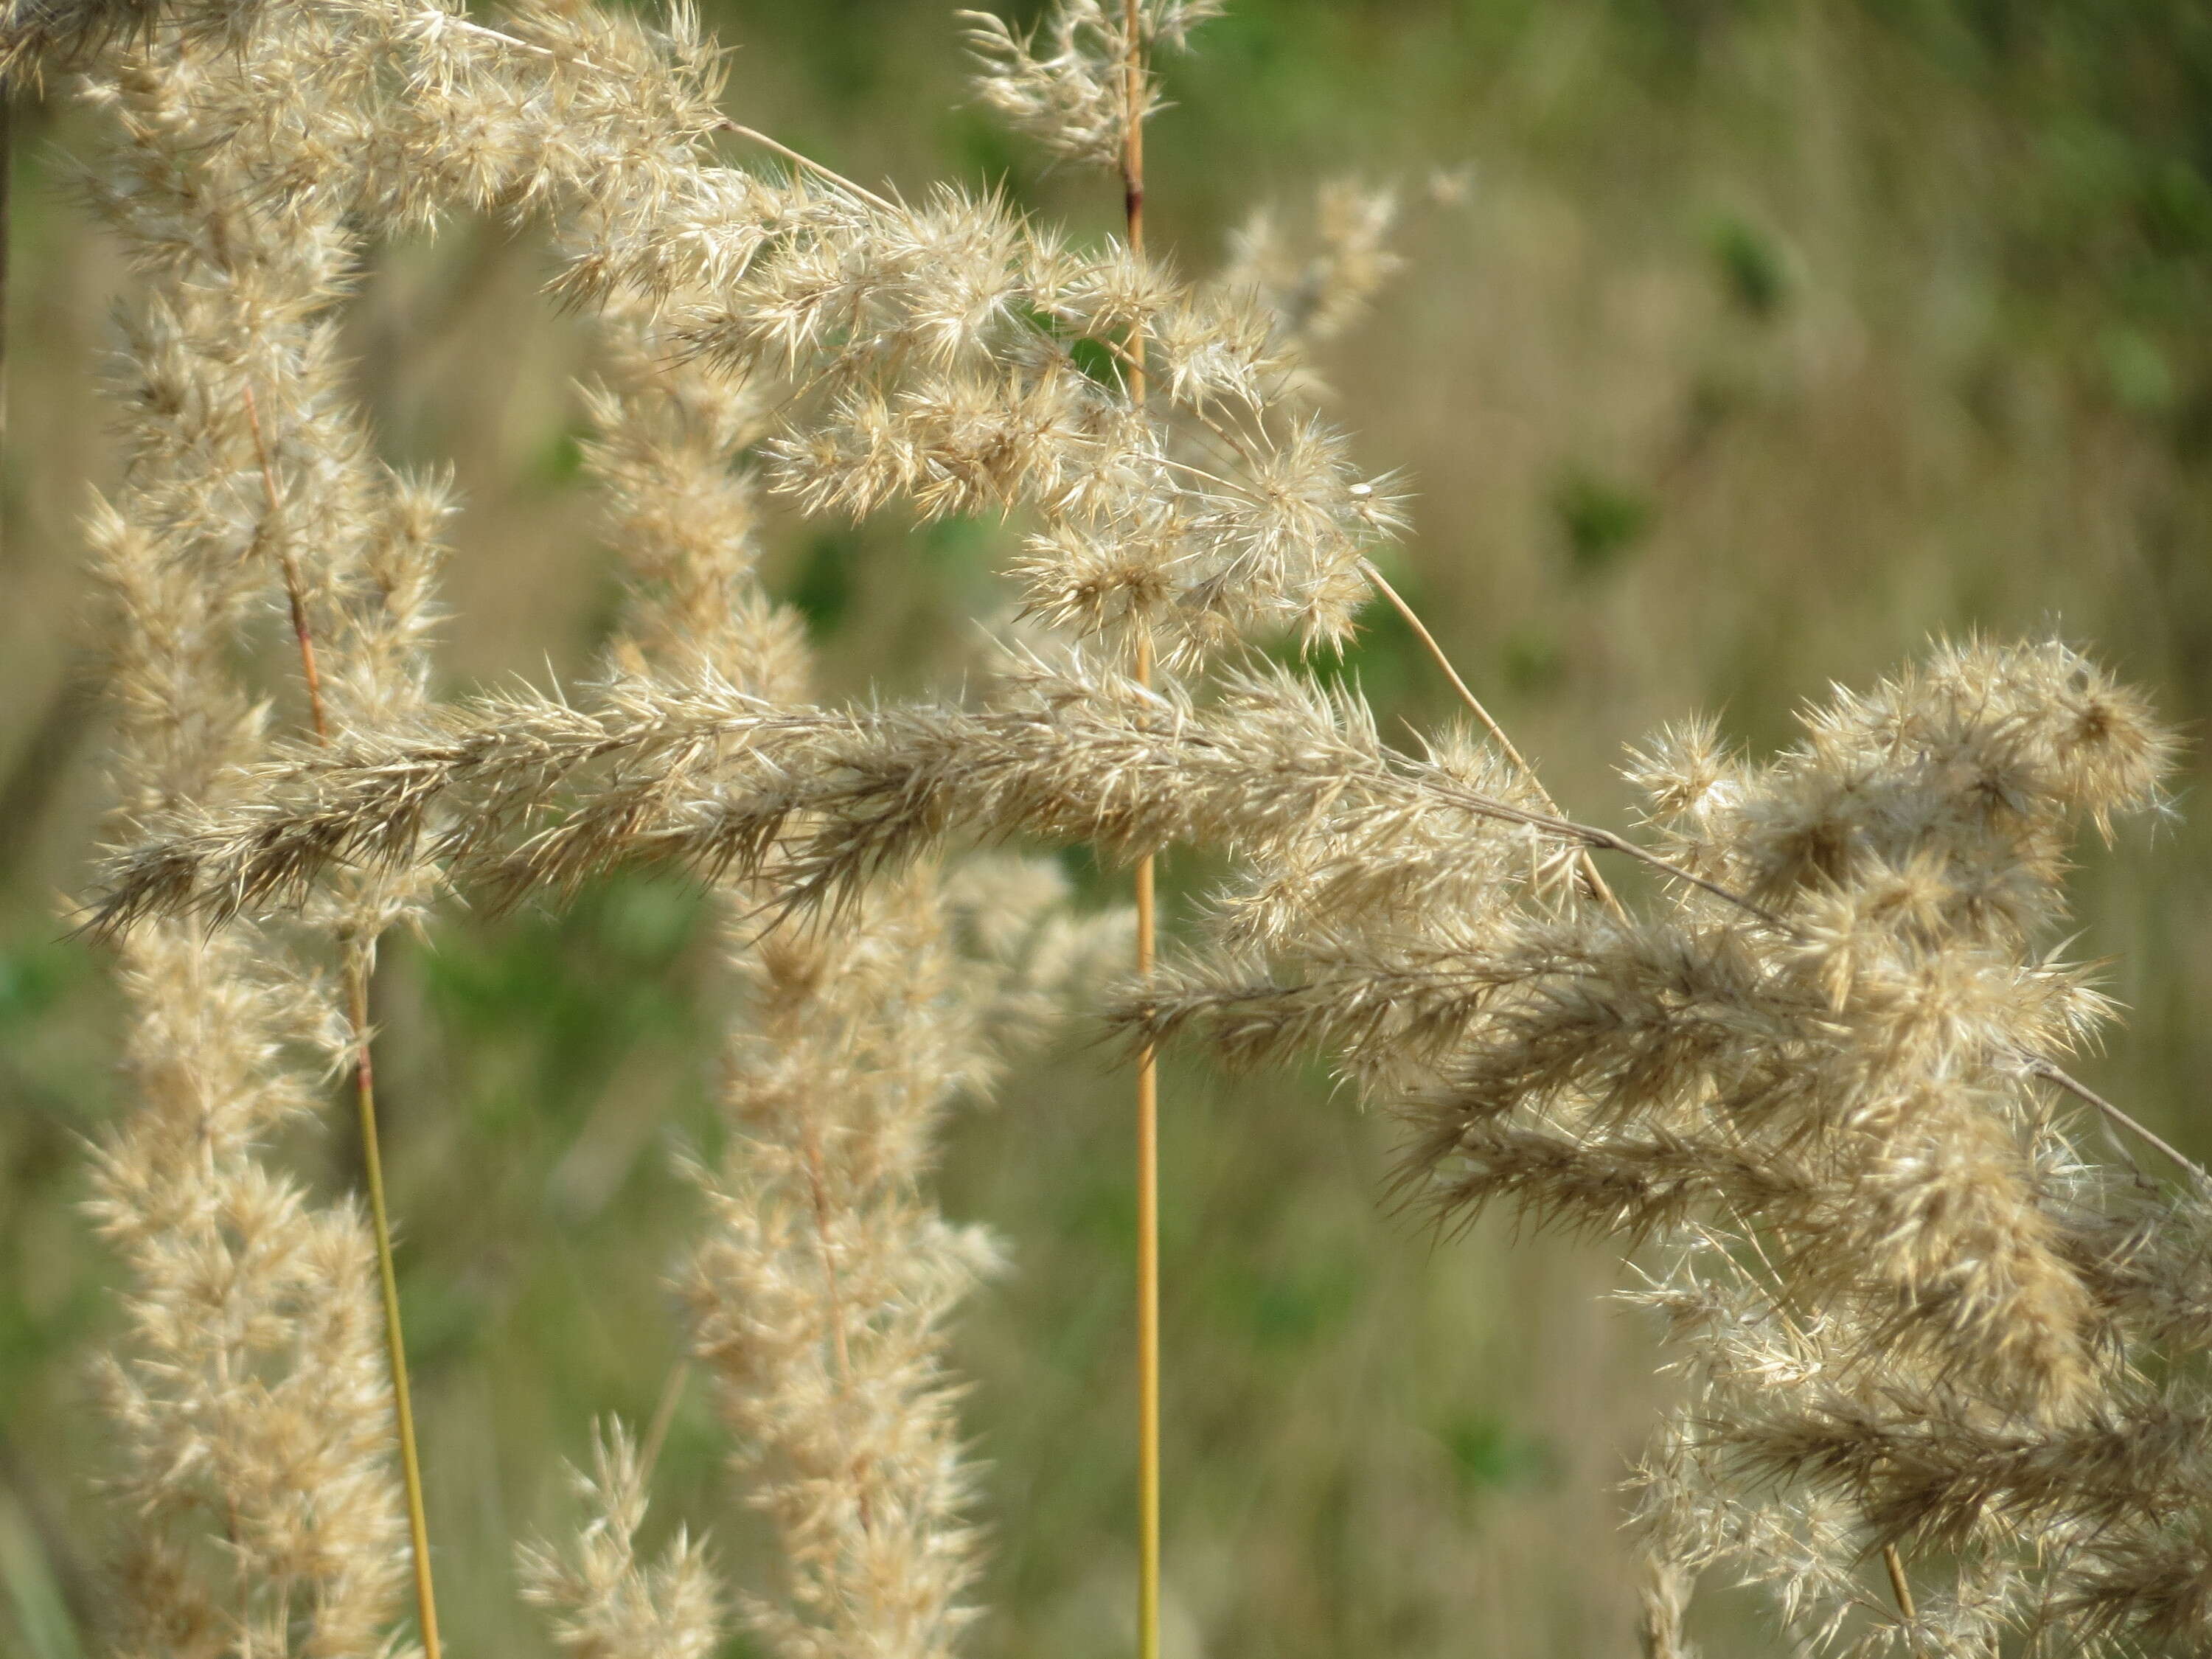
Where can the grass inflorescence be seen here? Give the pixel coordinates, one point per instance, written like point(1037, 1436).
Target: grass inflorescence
point(1808, 1065)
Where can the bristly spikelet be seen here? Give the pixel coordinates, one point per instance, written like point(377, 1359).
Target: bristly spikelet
point(1662, 1598)
point(40, 36)
point(606, 1603)
point(1313, 294)
point(251, 1407)
point(1979, 760)
point(817, 1293)
point(1686, 773)
point(246, 177)
point(685, 519)
point(1070, 97)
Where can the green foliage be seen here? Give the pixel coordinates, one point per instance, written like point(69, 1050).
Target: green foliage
point(1534, 662)
point(1754, 273)
point(2141, 379)
point(1490, 1455)
point(822, 590)
point(571, 992)
point(1600, 520)
point(560, 463)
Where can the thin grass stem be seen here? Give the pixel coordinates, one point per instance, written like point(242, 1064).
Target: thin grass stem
point(1899, 1585)
point(2050, 1072)
point(664, 1415)
point(1596, 884)
point(810, 164)
point(356, 957)
point(1148, 1268)
point(410, 1465)
point(295, 595)
point(1148, 1094)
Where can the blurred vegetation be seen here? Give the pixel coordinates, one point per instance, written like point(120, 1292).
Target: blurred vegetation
point(1744, 344)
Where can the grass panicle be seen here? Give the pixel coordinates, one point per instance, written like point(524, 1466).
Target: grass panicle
point(1807, 1067)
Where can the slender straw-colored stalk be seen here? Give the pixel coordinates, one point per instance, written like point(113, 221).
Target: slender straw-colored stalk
point(808, 163)
point(2050, 1072)
point(664, 1416)
point(356, 956)
point(1899, 1585)
point(295, 595)
point(1148, 1276)
point(418, 1529)
point(1148, 1080)
point(1591, 879)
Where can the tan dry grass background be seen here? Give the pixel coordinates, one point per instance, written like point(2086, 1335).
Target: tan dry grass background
point(1766, 341)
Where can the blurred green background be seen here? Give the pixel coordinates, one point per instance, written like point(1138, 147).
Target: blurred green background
point(1762, 339)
